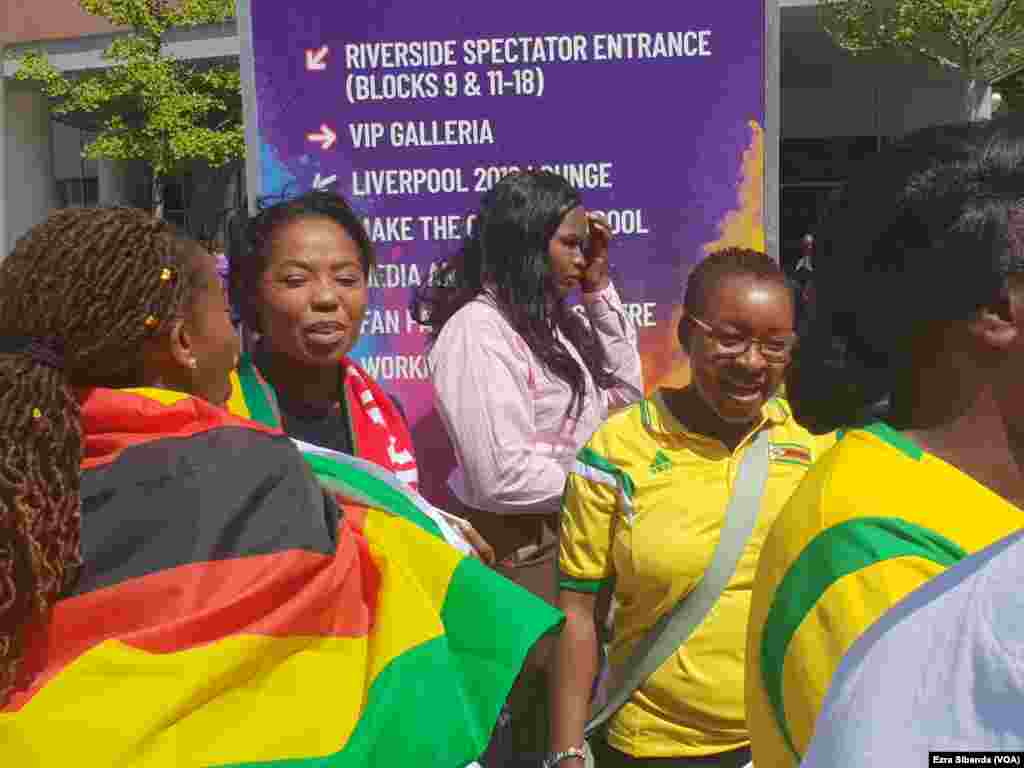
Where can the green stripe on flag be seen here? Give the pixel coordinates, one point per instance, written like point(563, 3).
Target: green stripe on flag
point(362, 487)
point(257, 398)
point(417, 706)
point(834, 553)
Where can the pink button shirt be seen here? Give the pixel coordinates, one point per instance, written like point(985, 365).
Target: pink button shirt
point(506, 415)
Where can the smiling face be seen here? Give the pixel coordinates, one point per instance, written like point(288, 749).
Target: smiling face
point(566, 251)
point(313, 292)
point(739, 306)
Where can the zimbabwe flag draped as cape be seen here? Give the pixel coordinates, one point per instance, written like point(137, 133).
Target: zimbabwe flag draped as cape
point(229, 614)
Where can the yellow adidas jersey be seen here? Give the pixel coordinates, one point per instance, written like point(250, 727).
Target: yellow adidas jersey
point(645, 506)
point(872, 521)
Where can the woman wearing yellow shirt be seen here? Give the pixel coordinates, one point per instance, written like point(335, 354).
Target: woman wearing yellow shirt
point(644, 508)
point(923, 288)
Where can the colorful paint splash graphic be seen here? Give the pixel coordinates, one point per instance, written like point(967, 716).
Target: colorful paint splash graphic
point(741, 227)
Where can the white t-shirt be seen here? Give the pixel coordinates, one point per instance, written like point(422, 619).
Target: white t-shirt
point(943, 670)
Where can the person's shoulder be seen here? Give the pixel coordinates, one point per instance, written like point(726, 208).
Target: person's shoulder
point(144, 431)
point(855, 480)
point(480, 309)
point(622, 427)
point(477, 318)
point(891, 460)
point(625, 441)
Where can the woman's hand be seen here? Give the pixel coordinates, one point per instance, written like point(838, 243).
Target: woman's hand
point(482, 550)
point(595, 274)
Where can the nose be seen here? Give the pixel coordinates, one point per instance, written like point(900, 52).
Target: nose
point(752, 359)
point(325, 294)
point(579, 258)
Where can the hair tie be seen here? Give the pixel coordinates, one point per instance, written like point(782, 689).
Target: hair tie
point(40, 351)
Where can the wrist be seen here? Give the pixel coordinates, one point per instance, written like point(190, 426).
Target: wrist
point(573, 757)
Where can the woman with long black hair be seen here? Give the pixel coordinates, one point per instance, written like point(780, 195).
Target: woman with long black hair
point(520, 379)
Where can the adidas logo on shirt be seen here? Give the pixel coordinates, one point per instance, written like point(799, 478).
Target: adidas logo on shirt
point(661, 463)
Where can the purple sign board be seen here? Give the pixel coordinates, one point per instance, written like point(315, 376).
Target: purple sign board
point(655, 111)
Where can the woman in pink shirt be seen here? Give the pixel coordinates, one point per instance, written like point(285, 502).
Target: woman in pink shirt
point(520, 379)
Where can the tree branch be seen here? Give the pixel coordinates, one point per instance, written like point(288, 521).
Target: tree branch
point(933, 57)
point(989, 23)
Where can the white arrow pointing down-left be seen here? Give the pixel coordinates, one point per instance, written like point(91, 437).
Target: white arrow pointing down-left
point(315, 59)
point(323, 183)
point(325, 138)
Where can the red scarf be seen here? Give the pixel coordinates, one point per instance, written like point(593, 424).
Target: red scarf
point(379, 431)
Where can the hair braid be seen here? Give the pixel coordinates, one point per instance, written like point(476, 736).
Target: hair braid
point(85, 281)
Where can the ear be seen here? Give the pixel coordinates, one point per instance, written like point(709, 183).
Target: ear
point(998, 326)
point(181, 345)
point(683, 332)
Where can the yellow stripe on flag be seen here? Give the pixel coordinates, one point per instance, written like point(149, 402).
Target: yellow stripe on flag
point(244, 698)
point(431, 572)
point(236, 403)
point(241, 699)
point(162, 396)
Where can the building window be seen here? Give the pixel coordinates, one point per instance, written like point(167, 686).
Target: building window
point(76, 179)
point(178, 200)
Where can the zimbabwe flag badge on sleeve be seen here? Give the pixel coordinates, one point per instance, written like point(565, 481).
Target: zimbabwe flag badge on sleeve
point(790, 453)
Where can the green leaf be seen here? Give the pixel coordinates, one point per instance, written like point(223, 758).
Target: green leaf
point(147, 105)
point(971, 35)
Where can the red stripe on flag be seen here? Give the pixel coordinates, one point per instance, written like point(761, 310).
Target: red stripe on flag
point(108, 414)
point(292, 593)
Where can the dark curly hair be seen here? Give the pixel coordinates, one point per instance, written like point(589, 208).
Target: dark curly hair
point(924, 234)
point(508, 249)
point(83, 283)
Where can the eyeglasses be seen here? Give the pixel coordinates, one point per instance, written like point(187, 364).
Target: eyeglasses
point(730, 344)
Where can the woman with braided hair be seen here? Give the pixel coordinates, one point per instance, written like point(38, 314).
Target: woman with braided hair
point(89, 298)
point(176, 589)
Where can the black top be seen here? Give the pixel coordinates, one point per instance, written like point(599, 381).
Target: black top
point(328, 429)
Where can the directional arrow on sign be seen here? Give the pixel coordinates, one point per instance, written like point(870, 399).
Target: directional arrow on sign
point(324, 183)
point(325, 138)
point(315, 59)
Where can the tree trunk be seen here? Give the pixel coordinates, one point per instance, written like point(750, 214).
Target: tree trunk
point(157, 196)
point(977, 100)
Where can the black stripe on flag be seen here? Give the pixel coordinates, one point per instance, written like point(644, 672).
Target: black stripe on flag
point(229, 492)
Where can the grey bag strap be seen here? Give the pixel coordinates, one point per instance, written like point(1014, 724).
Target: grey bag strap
point(673, 629)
